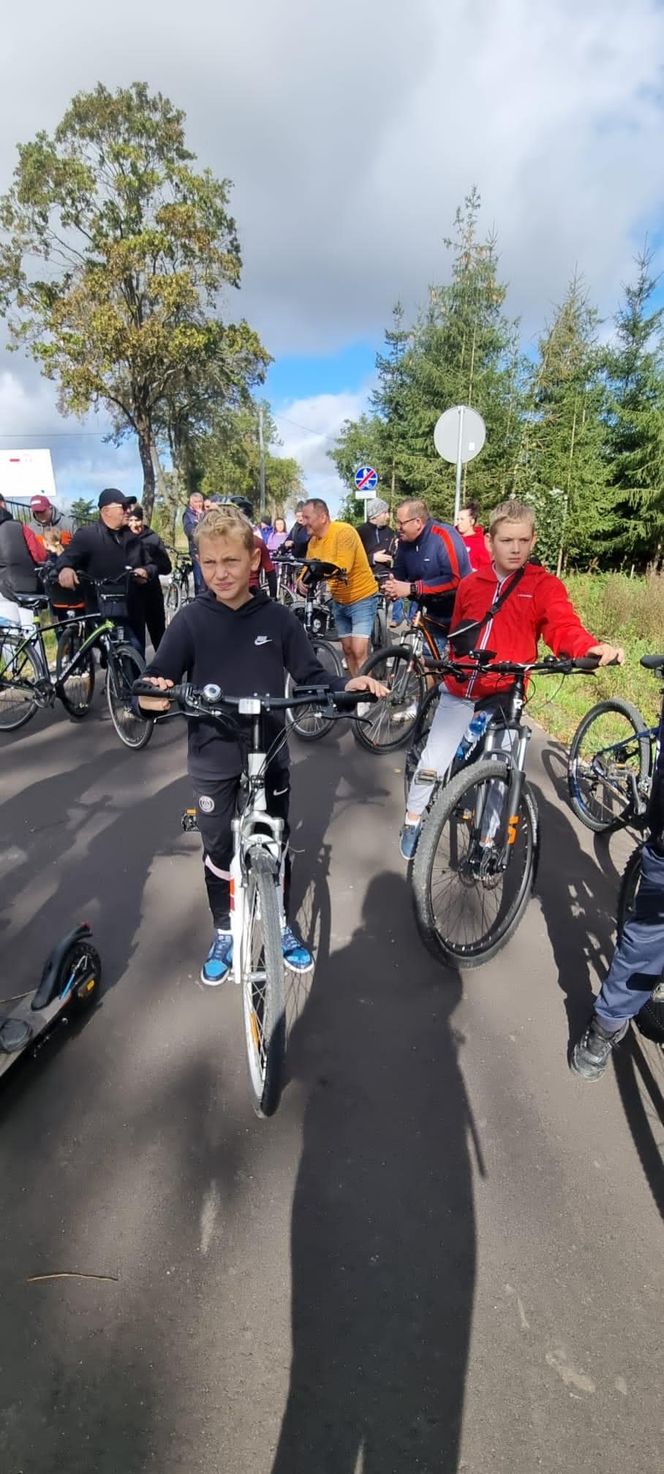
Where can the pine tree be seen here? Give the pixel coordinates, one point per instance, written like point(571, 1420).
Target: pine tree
point(561, 466)
point(635, 421)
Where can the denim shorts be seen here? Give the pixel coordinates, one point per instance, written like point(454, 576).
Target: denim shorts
point(355, 619)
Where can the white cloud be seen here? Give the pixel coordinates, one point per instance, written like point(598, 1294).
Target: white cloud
point(352, 132)
point(308, 429)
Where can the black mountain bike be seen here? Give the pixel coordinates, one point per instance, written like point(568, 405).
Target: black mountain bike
point(475, 865)
point(178, 592)
point(312, 723)
point(612, 758)
point(29, 683)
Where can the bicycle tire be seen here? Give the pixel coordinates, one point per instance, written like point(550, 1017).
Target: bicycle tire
point(455, 803)
point(69, 643)
point(650, 1019)
point(124, 667)
point(18, 672)
point(263, 986)
point(419, 738)
point(172, 599)
point(379, 635)
point(391, 720)
point(581, 788)
point(306, 722)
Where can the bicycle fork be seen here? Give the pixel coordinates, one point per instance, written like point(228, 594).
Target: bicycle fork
point(498, 822)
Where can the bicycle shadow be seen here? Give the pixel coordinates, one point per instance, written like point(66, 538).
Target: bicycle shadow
point(383, 1234)
point(643, 1103)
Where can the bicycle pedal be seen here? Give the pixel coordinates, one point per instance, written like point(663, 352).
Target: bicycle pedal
point(189, 821)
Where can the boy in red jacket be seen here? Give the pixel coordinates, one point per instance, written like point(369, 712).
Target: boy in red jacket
point(538, 608)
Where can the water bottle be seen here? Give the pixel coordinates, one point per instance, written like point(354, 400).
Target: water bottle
point(472, 735)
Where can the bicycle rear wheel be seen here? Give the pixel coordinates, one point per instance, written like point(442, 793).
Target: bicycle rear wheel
point(172, 598)
point(77, 691)
point(263, 986)
point(650, 1019)
point(391, 720)
point(18, 677)
point(608, 755)
point(472, 873)
point(306, 721)
point(124, 667)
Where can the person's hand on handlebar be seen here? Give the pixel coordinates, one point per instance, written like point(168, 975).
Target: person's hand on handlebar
point(67, 578)
point(141, 574)
point(608, 654)
point(366, 683)
point(153, 703)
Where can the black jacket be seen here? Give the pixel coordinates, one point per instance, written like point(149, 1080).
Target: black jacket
point(105, 554)
point(299, 537)
point(155, 551)
point(246, 651)
point(377, 540)
point(18, 570)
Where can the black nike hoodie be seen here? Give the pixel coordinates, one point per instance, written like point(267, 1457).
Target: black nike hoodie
point(246, 651)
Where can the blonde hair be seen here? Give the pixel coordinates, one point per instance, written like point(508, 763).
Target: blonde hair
point(511, 511)
point(226, 522)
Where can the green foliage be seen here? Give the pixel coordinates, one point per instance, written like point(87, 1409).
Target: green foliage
point(114, 252)
point(635, 439)
point(83, 510)
point(561, 466)
point(228, 461)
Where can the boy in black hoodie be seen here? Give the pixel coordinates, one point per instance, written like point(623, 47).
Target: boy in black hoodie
point(245, 643)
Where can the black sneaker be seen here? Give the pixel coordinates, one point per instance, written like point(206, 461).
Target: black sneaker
point(590, 1056)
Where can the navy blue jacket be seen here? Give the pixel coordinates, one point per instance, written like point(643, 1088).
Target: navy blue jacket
point(435, 565)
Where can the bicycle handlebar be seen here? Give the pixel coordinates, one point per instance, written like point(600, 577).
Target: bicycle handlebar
point(483, 661)
point(317, 566)
point(211, 701)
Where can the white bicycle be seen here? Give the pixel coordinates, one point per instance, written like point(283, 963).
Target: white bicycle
point(256, 867)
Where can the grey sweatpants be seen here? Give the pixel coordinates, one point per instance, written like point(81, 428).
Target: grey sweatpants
point(452, 718)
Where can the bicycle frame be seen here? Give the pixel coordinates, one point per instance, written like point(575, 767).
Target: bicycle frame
point(247, 836)
point(639, 798)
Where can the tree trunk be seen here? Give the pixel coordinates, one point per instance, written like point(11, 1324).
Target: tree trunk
point(145, 452)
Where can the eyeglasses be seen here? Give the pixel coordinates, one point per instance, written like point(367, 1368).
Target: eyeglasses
point(406, 520)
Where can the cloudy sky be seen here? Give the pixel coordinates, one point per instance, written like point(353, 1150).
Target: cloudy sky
point(351, 130)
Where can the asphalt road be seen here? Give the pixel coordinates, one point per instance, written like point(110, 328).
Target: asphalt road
point(443, 1254)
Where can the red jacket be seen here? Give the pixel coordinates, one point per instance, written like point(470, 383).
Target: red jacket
point(539, 608)
point(478, 551)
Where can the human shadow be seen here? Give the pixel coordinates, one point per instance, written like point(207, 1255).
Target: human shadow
point(643, 1103)
point(383, 1234)
point(578, 904)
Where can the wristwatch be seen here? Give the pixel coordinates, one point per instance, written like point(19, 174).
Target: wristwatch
point(413, 591)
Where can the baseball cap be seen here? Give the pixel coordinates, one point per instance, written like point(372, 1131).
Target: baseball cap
point(111, 497)
point(375, 507)
point(40, 504)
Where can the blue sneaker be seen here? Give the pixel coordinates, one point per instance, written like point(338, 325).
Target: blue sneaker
point(296, 955)
point(216, 967)
point(408, 838)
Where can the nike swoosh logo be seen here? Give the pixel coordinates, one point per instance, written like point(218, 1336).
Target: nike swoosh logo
point(262, 640)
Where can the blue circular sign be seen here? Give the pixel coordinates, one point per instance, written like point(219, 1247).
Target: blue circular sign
point(366, 479)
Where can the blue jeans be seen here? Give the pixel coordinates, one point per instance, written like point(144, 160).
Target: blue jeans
point(403, 609)
point(638, 961)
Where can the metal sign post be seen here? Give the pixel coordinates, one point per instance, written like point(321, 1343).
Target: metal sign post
point(458, 436)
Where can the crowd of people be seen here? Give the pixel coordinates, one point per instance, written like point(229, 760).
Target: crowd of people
point(234, 633)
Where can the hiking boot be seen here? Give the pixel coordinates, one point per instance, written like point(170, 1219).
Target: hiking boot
point(296, 955)
point(590, 1055)
point(217, 964)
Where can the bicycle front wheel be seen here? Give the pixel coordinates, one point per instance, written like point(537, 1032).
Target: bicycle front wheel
point(124, 667)
point(18, 677)
point(307, 721)
point(609, 755)
point(650, 1019)
point(420, 737)
point(263, 986)
point(474, 867)
point(391, 720)
point(77, 690)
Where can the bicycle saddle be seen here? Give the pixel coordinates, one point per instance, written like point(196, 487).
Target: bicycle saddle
point(652, 662)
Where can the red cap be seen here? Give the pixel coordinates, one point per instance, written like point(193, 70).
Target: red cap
point(40, 504)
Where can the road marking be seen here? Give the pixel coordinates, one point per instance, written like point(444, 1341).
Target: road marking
point(209, 1214)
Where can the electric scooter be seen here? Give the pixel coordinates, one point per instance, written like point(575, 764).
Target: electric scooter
point(69, 982)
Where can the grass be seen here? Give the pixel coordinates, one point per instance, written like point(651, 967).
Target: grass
point(625, 611)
